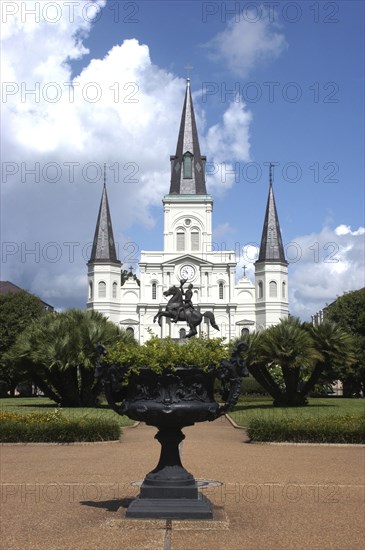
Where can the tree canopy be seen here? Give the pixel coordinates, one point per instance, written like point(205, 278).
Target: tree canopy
point(348, 312)
point(17, 311)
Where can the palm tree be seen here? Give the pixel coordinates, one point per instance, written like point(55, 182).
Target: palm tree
point(256, 364)
point(288, 346)
point(291, 347)
point(335, 347)
point(298, 349)
point(60, 354)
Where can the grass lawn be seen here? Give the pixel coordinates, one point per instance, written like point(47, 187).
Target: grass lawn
point(261, 407)
point(26, 405)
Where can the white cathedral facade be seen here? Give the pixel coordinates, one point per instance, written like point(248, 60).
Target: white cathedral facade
point(187, 253)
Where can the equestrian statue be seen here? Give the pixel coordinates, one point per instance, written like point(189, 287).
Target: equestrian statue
point(180, 308)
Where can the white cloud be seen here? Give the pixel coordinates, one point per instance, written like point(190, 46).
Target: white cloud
point(225, 142)
point(329, 263)
point(346, 230)
point(246, 43)
point(246, 257)
point(222, 230)
point(56, 140)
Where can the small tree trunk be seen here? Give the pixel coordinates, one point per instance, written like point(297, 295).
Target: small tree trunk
point(313, 379)
point(45, 388)
point(264, 378)
point(87, 397)
point(291, 379)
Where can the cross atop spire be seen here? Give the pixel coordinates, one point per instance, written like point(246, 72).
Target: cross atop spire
point(271, 248)
point(188, 69)
point(103, 250)
point(188, 165)
point(270, 173)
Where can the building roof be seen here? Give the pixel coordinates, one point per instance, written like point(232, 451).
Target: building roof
point(103, 250)
point(6, 287)
point(271, 247)
point(188, 144)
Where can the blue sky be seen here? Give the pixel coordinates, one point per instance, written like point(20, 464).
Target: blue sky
point(297, 71)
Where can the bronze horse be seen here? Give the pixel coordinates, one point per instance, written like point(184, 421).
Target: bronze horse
point(192, 317)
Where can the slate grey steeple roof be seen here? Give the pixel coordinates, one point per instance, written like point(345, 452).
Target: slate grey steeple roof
point(183, 183)
point(103, 250)
point(271, 248)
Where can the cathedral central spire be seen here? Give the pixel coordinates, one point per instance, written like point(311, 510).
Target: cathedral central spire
point(188, 165)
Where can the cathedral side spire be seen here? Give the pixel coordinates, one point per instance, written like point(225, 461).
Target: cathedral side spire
point(271, 248)
point(103, 249)
point(188, 165)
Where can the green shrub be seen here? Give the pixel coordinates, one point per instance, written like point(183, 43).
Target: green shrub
point(54, 427)
point(334, 429)
point(250, 386)
point(164, 353)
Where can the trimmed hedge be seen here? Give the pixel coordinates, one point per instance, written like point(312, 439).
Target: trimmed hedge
point(336, 429)
point(250, 386)
point(56, 428)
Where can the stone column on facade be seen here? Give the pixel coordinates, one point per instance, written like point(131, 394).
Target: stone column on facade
point(208, 283)
point(232, 327)
point(163, 327)
point(169, 327)
point(231, 283)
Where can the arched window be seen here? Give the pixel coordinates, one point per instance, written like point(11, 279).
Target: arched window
point(115, 286)
point(154, 291)
point(188, 166)
point(245, 332)
point(180, 240)
point(91, 290)
point(102, 289)
point(182, 333)
point(195, 241)
point(273, 289)
point(283, 287)
point(261, 290)
point(221, 291)
point(130, 331)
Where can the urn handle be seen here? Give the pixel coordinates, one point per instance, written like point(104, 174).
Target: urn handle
point(112, 377)
point(229, 374)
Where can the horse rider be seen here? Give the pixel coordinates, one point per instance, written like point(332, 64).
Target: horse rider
point(187, 302)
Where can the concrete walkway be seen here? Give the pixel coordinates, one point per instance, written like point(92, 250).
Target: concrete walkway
point(278, 497)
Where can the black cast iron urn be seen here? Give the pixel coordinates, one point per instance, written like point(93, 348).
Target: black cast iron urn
point(170, 401)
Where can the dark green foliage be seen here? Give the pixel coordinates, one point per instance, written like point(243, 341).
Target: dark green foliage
point(54, 427)
point(348, 311)
point(250, 386)
point(59, 353)
point(287, 359)
point(17, 311)
point(335, 429)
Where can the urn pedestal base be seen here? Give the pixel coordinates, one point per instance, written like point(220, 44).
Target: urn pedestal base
point(170, 491)
point(171, 508)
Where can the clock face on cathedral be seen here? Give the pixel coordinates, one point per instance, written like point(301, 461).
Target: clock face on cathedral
point(187, 272)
